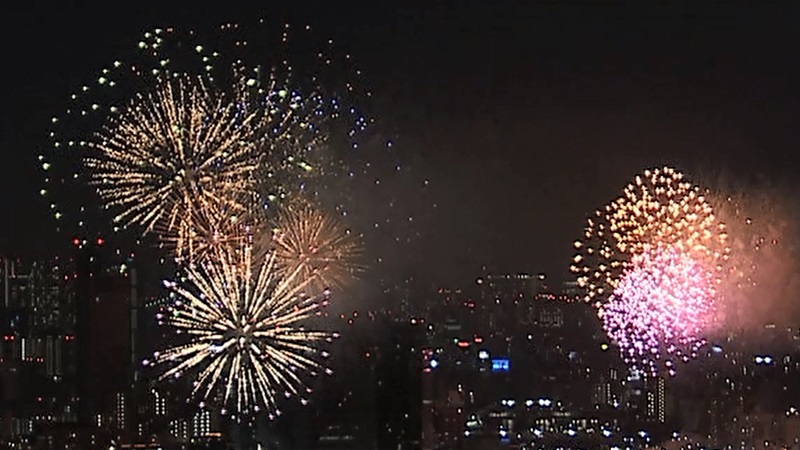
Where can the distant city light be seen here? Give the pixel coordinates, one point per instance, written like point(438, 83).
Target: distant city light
point(500, 365)
point(766, 360)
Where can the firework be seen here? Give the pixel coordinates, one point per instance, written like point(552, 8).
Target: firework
point(246, 339)
point(661, 307)
point(316, 245)
point(658, 208)
point(315, 142)
point(157, 130)
point(221, 222)
point(170, 152)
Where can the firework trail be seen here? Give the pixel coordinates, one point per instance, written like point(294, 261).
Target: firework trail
point(246, 342)
point(316, 245)
point(659, 310)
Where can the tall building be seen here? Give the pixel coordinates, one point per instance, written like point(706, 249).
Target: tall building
point(398, 390)
point(37, 326)
point(443, 407)
point(656, 399)
point(105, 334)
point(341, 413)
point(35, 298)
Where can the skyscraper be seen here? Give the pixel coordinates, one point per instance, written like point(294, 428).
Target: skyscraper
point(37, 325)
point(399, 388)
point(105, 304)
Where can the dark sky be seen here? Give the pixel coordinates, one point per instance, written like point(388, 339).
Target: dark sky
point(525, 115)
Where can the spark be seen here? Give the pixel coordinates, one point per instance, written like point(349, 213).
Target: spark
point(224, 222)
point(171, 150)
point(247, 344)
point(660, 207)
point(152, 133)
point(660, 310)
point(317, 245)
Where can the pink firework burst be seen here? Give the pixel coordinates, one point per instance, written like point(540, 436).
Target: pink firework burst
point(660, 310)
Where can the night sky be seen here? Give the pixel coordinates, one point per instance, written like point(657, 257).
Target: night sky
point(524, 118)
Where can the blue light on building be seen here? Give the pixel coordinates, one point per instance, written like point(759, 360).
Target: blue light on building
point(500, 365)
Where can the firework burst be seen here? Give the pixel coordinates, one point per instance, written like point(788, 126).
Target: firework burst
point(660, 308)
point(650, 262)
point(316, 245)
point(658, 208)
point(246, 341)
point(158, 129)
point(315, 141)
point(170, 152)
point(223, 221)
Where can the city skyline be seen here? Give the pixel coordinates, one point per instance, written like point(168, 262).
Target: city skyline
point(463, 365)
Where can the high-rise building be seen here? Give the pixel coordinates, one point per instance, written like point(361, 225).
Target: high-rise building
point(35, 298)
point(398, 376)
point(443, 408)
point(654, 398)
point(342, 413)
point(105, 334)
point(37, 325)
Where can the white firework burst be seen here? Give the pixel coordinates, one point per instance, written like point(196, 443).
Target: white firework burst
point(247, 343)
point(170, 151)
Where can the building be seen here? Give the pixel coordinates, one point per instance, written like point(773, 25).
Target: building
point(106, 298)
point(511, 285)
point(37, 363)
point(398, 387)
point(655, 400)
